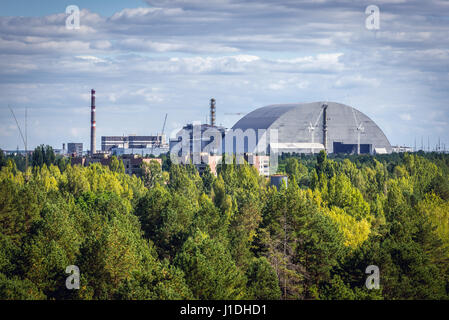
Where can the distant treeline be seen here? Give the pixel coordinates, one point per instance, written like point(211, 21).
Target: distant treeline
point(173, 234)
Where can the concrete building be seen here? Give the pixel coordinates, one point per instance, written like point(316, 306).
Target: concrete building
point(209, 160)
point(18, 152)
point(133, 163)
point(210, 153)
point(75, 148)
point(155, 151)
point(311, 127)
point(132, 142)
point(102, 158)
point(260, 162)
point(78, 161)
point(198, 138)
point(399, 149)
point(206, 135)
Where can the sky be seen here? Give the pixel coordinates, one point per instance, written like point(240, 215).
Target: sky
point(149, 58)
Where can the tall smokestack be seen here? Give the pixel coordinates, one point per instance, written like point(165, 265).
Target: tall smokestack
point(325, 126)
point(212, 112)
point(92, 123)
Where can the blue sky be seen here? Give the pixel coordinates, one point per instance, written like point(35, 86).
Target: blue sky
point(30, 8)
point(148, 58)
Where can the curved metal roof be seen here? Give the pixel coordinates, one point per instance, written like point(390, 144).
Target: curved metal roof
point(303, 123)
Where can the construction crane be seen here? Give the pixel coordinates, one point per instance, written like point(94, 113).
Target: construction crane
point(163, 127)
point(235, 114)
point(24, 139)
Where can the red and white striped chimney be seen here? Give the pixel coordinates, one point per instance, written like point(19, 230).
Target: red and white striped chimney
point(92, 123)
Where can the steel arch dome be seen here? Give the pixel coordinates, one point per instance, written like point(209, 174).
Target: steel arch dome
point(302, 127)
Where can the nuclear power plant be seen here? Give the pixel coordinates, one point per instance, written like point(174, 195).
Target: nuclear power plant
point(311, 127)
point(120, 145)
point(302, 128)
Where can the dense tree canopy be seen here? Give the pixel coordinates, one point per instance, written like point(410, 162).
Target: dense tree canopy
point(173, 234)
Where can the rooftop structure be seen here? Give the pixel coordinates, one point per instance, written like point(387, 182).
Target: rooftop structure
point(311, 127)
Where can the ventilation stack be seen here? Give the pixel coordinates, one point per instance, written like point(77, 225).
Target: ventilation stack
point(212, 112)
point(325, 126)
point(92, 122)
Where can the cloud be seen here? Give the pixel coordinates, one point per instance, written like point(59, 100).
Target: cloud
point(356, 81)
point(90, 59)
point(149, 94)
point(244, 53)
point(137, 44)
point(405, 116)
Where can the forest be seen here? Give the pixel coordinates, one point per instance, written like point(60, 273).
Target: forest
point(173, 234)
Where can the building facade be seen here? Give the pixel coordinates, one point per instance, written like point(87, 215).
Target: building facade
point(400, 149)
point(133, 163)
point(75, 148)
point(155, 151)
point(132, 142)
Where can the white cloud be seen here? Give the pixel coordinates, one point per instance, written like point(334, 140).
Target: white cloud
point(320, 62)
point(90, 59)
point(244, 53)
point(149, 94)
point(356, 81)
point(405, 116)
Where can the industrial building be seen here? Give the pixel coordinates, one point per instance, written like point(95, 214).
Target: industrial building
point(132, 142)
point(75, 148)
point(202, 140)
point(155, 151)
point(204, 145)
point(400, 149)
point(132, 162)
point(311, 127)
point(126, 144)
